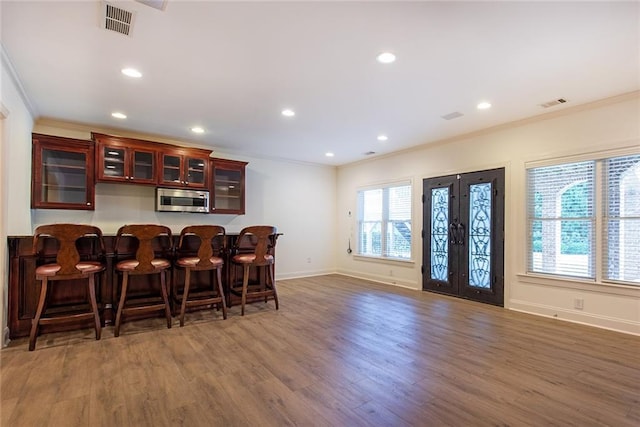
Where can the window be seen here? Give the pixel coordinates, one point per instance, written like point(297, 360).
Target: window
point(384, 221)
point(584, 219)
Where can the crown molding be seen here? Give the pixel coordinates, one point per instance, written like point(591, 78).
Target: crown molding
point(11, 72)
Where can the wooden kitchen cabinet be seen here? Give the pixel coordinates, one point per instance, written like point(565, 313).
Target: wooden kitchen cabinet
point(125, 160)
point(62, 173)
point(183, 167)
point(227, 188)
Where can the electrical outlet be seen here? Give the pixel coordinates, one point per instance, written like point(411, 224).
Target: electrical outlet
point(308, 260)
point(578, 303)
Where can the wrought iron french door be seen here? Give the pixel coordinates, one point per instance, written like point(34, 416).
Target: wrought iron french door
point(463, 235)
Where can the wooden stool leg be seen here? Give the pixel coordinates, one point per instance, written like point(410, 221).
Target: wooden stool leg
point(165, 297)
point(245, 285)
point(221, 292)
point(35, 322)
point(232, 283)
point(264, 285)
point(185, 294)
point(123, 297)
point(94, 305)
point(273, 284)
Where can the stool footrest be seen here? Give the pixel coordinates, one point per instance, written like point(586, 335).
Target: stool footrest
point(204, 301)
point(143, 308)
point(68, 318)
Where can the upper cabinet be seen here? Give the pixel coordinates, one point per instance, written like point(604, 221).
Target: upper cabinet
point(125, 160)
point(65, 171)
point(227, 186)
point(62, 173)
point(183, 167)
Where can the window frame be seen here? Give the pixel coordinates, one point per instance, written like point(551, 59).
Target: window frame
point(600, 217)
point(385, 186)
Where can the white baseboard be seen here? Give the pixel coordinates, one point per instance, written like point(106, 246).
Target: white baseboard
point(394, 281)
point(575, 316)
point(301, 274)
point(5, 337)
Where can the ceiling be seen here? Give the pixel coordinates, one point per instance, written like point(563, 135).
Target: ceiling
point(232, 67)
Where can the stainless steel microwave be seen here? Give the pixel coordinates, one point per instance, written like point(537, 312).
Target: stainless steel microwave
point(182, 200)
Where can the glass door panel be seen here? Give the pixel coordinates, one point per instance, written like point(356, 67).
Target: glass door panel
point(228, 190)
point(439, 234)
point(64, 177)
point(114, 162)
point(196, 173)
point(480, 235)
point(143, 165)
point(171, 169)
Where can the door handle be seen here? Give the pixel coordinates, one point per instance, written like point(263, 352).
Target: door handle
point(453, 234)
point(456, 233)
point(460, 233)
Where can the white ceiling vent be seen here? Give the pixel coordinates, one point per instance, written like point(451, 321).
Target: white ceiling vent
point(116, 19)
point(452, 116)
point(156, 4)
point(553, 103)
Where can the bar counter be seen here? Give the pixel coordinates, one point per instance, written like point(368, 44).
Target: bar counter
point(71, 295)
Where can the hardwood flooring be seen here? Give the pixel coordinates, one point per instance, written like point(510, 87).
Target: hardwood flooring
point(339, 352)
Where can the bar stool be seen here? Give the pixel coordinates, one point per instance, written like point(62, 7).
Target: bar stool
point(262, 241)
point(203, 261)
point(67, 266)
point(144, 263)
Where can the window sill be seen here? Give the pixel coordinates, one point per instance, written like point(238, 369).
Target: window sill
point(396, 261)
point(580, 284)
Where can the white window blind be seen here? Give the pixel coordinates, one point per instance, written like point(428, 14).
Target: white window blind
point(621, 230)
point(584, 219)
point(561, 219)
point(384, 221)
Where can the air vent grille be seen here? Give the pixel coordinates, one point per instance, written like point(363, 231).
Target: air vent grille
point(117, 19)
point(453, 115)
point(553, 103)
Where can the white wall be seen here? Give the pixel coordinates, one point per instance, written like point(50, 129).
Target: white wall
point(15, 183)
point(604, 125)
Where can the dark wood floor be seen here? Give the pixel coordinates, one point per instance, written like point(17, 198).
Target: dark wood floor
point(339, 352)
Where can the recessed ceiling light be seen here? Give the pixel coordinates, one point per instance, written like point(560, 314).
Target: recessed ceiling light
point(329, 154)
point(382, 137)
point(197, 129)
point(484, 105)
point(288, 113)
point(118, 115)
point(131, 72)
point(386, 58)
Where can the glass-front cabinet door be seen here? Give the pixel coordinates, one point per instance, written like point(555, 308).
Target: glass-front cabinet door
point(171, 170)
point(196, 171)
point(113, 162)
point(143, 166)
point(125, 160)
point(62, 173)
point(184, 167)
point(227, 187)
